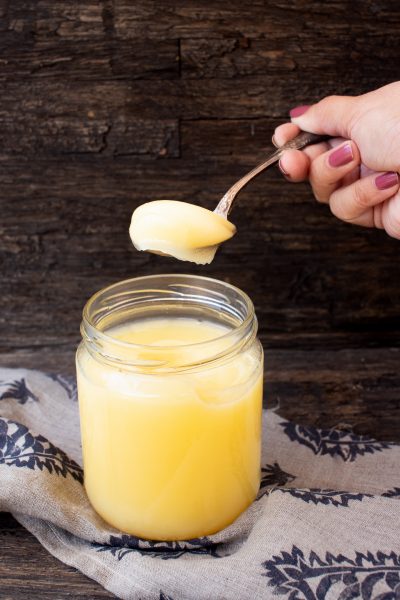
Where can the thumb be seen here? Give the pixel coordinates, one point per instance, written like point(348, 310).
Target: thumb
point(334, 116)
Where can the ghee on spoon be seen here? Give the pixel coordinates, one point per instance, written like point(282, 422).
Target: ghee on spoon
point(190, 232)
point(179, 229)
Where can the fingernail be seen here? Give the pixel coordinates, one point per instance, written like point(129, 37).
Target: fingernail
point(299, 110)
point(282, 170)
point(342, 156)
point(273, 140)
point(387, 180)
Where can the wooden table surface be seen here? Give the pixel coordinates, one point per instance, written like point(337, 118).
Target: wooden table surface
point(106, 104)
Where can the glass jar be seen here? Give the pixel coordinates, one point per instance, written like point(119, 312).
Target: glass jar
point(171, 431)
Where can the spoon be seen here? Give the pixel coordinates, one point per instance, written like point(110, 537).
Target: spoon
point(189, 232)
point(302, 140)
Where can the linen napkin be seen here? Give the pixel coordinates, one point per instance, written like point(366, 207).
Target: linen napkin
point(325, 525)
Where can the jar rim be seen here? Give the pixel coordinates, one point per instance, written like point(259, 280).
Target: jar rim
point(91, 331)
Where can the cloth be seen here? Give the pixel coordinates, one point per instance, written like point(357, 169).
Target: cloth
point(325, 524)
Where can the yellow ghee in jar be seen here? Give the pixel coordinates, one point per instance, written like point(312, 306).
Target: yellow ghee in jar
point(172, 455)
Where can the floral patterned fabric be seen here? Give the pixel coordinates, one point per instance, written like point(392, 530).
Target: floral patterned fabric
point(326, 523)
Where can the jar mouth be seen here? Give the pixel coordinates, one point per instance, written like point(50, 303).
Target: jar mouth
point(166, 295)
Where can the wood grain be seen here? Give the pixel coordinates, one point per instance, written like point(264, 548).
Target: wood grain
point(91, 59)
point(343, 51)
point(88, 134)
point(107, 104)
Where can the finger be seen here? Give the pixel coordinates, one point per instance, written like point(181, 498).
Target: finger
point(295, 165)
point(315, 150)
point(284, 133)
point(333, 115)
point(356, 201)
point(328, 170)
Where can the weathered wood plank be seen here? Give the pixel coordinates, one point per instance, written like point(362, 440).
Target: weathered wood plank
point(193, 19)
point(87, 133)
point(200, 19)
point(248, 97)
point(23, 55)
point(307, 52)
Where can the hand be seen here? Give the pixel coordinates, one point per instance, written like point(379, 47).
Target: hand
point(356, 172)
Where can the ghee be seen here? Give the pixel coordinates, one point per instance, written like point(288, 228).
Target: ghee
point(179, 229)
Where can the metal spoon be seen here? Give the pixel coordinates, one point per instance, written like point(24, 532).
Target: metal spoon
point(302, 140)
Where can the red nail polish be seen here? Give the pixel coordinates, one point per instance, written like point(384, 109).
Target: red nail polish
point(282, 170)
point(341, 156)
point(299, 110)
point(387, 180)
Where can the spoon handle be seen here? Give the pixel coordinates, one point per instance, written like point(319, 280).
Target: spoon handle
point(302, 140)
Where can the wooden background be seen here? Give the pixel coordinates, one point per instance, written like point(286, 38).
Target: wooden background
point(107, 104)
